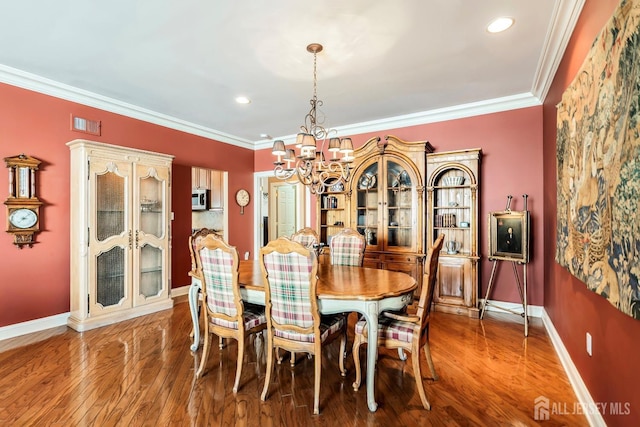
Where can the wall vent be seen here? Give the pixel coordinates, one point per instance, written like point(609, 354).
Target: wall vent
point(80, 124)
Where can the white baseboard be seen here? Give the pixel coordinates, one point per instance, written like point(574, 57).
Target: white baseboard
point(44, 323)
point(582, 393)
point(533, 310)
point(31, 326)
point(178, 292)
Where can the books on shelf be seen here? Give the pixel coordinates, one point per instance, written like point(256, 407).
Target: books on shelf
point(445, 220)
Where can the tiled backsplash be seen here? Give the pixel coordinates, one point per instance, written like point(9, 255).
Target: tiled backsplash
point(209, 219)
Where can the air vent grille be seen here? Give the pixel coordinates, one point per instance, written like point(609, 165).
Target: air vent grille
point(80, 124)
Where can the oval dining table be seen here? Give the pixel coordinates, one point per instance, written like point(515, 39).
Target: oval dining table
point(340, 289)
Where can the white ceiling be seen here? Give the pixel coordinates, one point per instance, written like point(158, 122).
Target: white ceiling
point(385, 63)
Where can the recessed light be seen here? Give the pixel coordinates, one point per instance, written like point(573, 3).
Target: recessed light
point(243, 100)
point(500, 24)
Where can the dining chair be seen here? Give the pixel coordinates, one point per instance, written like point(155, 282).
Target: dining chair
point(406, 331)
point(347, 248)
point(225, 313)
point(306, 236)
point(294, 322)
point(194, 239)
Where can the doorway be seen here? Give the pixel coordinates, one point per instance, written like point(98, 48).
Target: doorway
point(284, 208)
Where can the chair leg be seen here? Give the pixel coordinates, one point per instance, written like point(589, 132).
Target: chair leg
point(343, 352)
point(267, 379)
point(292, 361)
point(205, 349)
point(316, 382)
point(356, 361)
point(415, 359)
point(432, 368)
point(239, 363)
point(220, 343)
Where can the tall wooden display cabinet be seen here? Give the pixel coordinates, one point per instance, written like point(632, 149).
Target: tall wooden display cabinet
point(453, 192)
point(384, 201)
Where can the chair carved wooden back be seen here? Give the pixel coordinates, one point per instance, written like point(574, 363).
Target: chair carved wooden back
point(347, 248)
point(306, 236)
point(194, 239)
point(429, 284)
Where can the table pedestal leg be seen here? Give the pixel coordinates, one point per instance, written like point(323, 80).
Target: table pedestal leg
point(194, 289)
point(371, 315)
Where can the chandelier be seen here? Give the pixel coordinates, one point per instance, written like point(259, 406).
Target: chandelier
point(310, 165)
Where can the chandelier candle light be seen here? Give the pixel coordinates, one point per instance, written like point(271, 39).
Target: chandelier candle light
point(310, 165)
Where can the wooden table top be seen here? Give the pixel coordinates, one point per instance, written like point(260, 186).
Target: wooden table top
point(341, 282)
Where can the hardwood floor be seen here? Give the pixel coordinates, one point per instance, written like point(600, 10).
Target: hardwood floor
point(141, 372)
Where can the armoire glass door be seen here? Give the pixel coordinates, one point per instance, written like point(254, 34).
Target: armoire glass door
point(399, 201)
point(110, 237)
point(149, 234)
point(368, 203)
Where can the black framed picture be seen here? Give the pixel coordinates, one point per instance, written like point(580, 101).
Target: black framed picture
point(509, 236)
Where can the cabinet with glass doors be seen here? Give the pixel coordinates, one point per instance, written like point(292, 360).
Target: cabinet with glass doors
point(387, 203)
point(120, 239)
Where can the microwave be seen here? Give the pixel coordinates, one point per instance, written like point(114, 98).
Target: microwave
point(199, 199)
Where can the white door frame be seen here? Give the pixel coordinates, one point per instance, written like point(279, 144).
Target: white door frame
point(257, 209)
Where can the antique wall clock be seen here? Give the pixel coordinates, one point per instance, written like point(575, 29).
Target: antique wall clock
point(23, 206)
point(242, 199)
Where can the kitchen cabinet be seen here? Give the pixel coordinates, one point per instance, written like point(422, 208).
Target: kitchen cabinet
point(120, 233)
point(453, 193)
point(201, 178)
point(217, 189)
point(209, 179)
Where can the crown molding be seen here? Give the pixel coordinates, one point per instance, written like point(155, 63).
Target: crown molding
point(563, 22)
point(46, 86)
point(495, 105)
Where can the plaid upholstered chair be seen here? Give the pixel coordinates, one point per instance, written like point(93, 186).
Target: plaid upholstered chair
point(307, 237)
point(347, 248)
point(294, 322)
point(225, 313)
point(406, 331)
point(194, 239)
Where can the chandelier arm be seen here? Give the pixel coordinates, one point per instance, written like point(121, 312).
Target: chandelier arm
point(282, 173)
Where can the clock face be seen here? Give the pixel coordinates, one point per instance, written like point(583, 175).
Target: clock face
point(23, 218)
point(242, 198)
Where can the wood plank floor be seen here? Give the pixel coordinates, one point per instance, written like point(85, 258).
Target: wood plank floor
point(141, 372)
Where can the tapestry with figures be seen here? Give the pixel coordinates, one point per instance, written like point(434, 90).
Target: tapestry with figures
point(598, 165)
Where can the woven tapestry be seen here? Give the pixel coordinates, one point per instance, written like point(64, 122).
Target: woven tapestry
point(598, 165)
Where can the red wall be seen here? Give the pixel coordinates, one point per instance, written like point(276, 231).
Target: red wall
point(612, 373)
point(511, 145)
point(34, 282)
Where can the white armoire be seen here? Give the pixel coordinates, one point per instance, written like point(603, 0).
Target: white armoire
point(120, 233)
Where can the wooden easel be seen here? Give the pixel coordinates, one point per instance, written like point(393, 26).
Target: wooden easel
point(522, 286)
